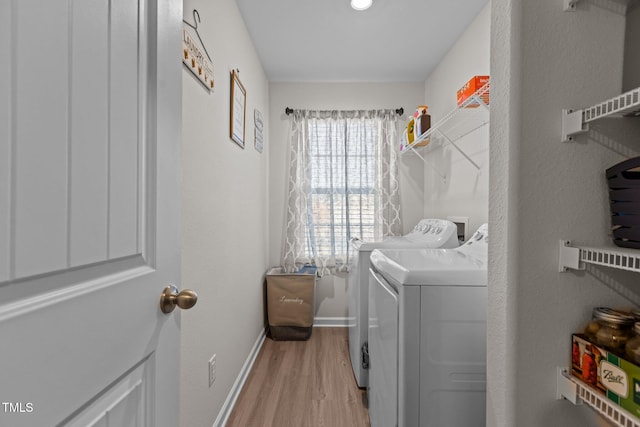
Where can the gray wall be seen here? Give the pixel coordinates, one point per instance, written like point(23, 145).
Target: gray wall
point(631, 75)
point(543, 190)
point(225, 216)
point(465, 191)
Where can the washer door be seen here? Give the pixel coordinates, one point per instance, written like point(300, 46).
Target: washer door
point(383, 352)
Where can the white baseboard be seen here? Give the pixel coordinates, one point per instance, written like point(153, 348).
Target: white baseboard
point(330, 322)
point(232, 397)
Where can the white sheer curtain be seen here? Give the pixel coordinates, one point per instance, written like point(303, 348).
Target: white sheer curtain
point(343, 183)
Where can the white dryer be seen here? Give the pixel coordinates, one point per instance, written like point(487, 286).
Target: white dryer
point(427, 336)
point(428, 233)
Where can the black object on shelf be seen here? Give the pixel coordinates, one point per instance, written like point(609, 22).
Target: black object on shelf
point(624, 201)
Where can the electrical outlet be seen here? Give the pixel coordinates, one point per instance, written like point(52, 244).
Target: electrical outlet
point(212, 370)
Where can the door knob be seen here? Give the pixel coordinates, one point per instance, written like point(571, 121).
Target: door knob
point(170, 297)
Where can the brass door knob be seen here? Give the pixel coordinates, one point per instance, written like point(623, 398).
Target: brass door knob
point(170, 297)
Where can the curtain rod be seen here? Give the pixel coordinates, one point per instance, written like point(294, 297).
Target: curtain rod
point(288, 111)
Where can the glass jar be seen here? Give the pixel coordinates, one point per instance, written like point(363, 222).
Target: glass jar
point(632, 349)
point(614, 329)
point(594, 325)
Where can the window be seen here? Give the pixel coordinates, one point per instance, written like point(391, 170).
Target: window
point(342, 184)
point(342, 168)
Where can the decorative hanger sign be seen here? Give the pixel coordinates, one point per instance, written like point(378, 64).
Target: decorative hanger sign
point(194, 54)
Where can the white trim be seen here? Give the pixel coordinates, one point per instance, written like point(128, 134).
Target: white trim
point(330, 322)
point(232, 397)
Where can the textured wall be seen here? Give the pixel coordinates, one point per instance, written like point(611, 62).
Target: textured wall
point(543, 190)
point(631, 75)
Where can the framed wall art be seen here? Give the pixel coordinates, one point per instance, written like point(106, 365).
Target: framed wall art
point(238, 109)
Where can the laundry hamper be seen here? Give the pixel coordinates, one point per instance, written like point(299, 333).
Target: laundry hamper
point(290, 303)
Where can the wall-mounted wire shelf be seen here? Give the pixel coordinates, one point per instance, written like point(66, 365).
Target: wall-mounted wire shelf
point(577, 121)
point(574, 257)
point(466, 118)
point(577, 392)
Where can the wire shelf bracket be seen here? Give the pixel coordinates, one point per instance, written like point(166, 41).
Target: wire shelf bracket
point(569, 257)
point(442, 175)
point(572, 124)
point(570, 5)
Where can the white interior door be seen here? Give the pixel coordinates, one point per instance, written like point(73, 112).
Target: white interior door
point(90, 114)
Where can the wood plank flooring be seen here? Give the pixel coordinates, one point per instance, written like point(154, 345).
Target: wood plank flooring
point(302, 384)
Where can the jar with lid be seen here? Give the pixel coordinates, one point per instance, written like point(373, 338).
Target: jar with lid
point(610, 329)
point(632, 349)
point(594, 325)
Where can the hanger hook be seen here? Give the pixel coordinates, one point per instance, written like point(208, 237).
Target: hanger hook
point(196, 17)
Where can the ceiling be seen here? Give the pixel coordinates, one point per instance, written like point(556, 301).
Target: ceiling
point(327, 41)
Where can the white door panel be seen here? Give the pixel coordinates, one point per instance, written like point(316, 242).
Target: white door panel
point(121, 405)
point(78, 133)
point(40, 102)
point(67, 349)
point(5, 137)
point(124, 129)
point(90, 102)
point(89, 136)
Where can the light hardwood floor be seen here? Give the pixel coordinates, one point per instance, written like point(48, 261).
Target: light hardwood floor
point(302, 384)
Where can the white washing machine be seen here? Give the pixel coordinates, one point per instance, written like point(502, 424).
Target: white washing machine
point(427, 336)
point(428, 233)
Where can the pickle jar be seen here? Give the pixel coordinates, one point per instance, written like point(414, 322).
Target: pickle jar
point(615, 329)
point(594, 325)
point(632, 348)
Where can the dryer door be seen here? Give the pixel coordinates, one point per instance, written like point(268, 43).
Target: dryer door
point(383, 352)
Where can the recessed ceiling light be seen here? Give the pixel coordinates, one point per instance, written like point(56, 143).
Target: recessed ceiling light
point(361, 4)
